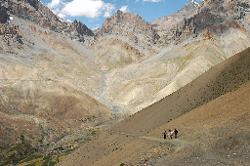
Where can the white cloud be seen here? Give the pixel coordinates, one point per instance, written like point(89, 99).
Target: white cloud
point(54, 4)
point(87, 8)
point(60, 15)
point(152, 1)
point(108, 9)
point(124, 9)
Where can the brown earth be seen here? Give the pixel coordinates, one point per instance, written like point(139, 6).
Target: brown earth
point(48, 80)
point(40, 118)
point(211, 113)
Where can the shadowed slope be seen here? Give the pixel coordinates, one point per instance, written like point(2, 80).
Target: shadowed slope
point(217, 132)
point(51, 117)
point(214, 134)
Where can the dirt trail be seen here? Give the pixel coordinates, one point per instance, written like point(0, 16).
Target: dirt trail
point(153, 139)
point(176, 142)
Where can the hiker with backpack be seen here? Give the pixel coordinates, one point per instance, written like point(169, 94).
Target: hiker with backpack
point(165, 134)
point(175, 133)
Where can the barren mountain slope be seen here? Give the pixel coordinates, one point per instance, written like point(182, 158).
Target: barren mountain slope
point(217, 132)
point(52, 117)
point(223, 78)
point(144, 81)
point(214, 134)
point(43, 107)
point(139, 85)
point(51, 70)
point(122, 67)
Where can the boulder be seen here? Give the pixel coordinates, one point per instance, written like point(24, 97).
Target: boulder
point(3, 15)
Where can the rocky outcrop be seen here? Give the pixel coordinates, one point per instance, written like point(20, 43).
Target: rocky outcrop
point(127, 19)
point(167, 26)
point(167, 22)
point(3, 15)
point(10, 34)
point(34, 3)
point(212, 17)
point(35, 11)
point(130, 26)
point(216, 16)
point(81, 28)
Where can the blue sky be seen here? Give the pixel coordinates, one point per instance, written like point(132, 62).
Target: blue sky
point(94, 12)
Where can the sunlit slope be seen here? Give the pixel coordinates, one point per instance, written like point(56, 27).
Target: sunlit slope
point(139, 85)
point(119, 74)
point(223, 78)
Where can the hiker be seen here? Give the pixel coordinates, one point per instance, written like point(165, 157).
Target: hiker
point(165, 134)
point(175, 133)
point(170, 133)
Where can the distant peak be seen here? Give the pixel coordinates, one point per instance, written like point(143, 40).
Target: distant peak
point(121, 17)
point(128, 14)
point(81, 28)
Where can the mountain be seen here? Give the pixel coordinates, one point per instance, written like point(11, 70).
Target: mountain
point(124, 39)
point(209, 18)
point(177, 58)
point(128, 64)
point(131, 26)
point(211, 114)
point(35, 11)
point(169, 26)
point(64, 82)
point(41, 110)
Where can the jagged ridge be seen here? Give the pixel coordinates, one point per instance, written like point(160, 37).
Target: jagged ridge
point(35, 11)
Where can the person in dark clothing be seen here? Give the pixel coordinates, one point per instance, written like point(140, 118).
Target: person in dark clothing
point(175, 133)
point(165, 135)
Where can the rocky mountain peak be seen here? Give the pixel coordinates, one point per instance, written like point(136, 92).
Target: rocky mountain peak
point(209, 18)
point(35, 11)
point(81, 28)
point(125, 19)
point(130, 26)
point(217, 16)
point(167, 22)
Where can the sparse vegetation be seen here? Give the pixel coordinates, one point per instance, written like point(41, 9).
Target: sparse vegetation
point(65, 88)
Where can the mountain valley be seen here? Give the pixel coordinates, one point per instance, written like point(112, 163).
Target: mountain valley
point(63, 84)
